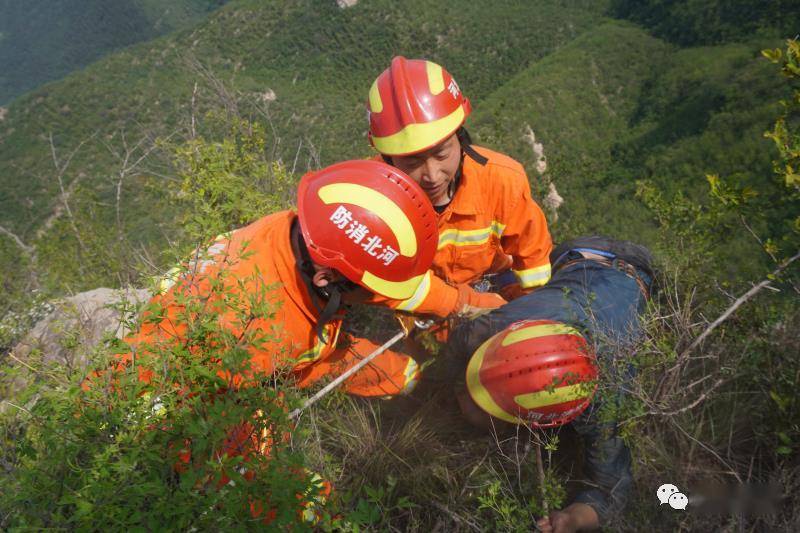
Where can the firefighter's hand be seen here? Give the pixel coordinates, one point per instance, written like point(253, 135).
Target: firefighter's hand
point(471, 303)
point(576, 517)
point(513, 291)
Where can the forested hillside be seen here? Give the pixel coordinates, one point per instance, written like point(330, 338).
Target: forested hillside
point(640, 120)
point(42, 40)
point(610, 107)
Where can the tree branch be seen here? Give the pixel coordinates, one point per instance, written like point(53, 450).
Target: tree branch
point(741, 300)
point(25, 248)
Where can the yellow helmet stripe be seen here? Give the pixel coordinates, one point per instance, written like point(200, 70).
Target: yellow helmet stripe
point(378, 203)
point(416, 137)
point(375, 102)
point(435, 78)
point(479, 393)
point(539, 330)
point(534, 400)
point(398, 290)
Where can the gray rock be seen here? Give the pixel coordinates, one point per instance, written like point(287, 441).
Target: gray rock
point(67, 336)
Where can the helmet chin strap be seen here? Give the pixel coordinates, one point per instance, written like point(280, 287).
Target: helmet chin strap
point(465, 140)
point(326, 300)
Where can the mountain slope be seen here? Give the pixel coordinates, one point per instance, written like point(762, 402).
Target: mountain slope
point(41, 40)
point(578, 102)
point(611, 104)
point(317, 59)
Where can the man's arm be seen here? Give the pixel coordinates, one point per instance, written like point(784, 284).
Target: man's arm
point(607, 465)
point(526, 237)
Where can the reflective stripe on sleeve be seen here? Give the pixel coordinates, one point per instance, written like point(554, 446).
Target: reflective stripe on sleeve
point(533, 277)
point(419, 295)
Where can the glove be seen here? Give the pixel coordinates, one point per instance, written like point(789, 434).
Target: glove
point(471, 303)
point(513, 291)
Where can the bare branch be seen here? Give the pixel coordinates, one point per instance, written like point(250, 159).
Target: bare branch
point(757, 238)
point(741, 300)
point(61, 169)
point(29, 250)
point(193, 130)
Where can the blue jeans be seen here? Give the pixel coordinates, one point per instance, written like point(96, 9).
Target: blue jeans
point(604, 304)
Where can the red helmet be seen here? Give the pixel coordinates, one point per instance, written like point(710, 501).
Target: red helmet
point(414, 105)
point(371, 222)
point(535, 372)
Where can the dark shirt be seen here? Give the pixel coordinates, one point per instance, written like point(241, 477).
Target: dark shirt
point(604, 304)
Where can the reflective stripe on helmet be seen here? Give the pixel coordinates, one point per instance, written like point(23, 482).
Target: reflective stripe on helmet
point(378, 203)
point(478, 392)
point(435, 77)
point(539, 330)
point(398, 290)
point(418, 137)
point(375, 102)
point(543, 398)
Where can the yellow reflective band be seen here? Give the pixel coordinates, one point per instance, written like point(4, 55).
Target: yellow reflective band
point(375, 103)
point(460, 237)
point(398, 290)
point(309, 356)
point(533, 277)
point(435, 78)
point(410, 376)
point(479, 393)
point(169, 279)
point(417, 137)
point(533, 400)
point(378, 203)
point(419, 295)
point(539, 330)
point(165, 282)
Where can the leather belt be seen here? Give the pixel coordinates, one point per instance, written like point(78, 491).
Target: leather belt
point(616, 263)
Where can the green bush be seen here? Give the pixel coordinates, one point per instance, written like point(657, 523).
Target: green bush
point(114, 456)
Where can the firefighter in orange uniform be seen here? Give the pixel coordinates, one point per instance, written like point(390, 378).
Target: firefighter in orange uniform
point(359, 224)
point(487, 221)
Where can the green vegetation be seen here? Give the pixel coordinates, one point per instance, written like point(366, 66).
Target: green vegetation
point(42, 41)
point(652, 129)
point(129, 453)
point(693, 22)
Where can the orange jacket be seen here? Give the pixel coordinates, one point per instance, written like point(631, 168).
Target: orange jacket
point(491, 224)
point(261, 257)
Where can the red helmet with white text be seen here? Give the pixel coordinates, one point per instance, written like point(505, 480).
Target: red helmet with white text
point(371, 222)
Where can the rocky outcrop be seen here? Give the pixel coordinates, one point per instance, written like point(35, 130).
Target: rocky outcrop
point(65, 339)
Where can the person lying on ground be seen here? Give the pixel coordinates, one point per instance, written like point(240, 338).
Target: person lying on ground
point(537, 361)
